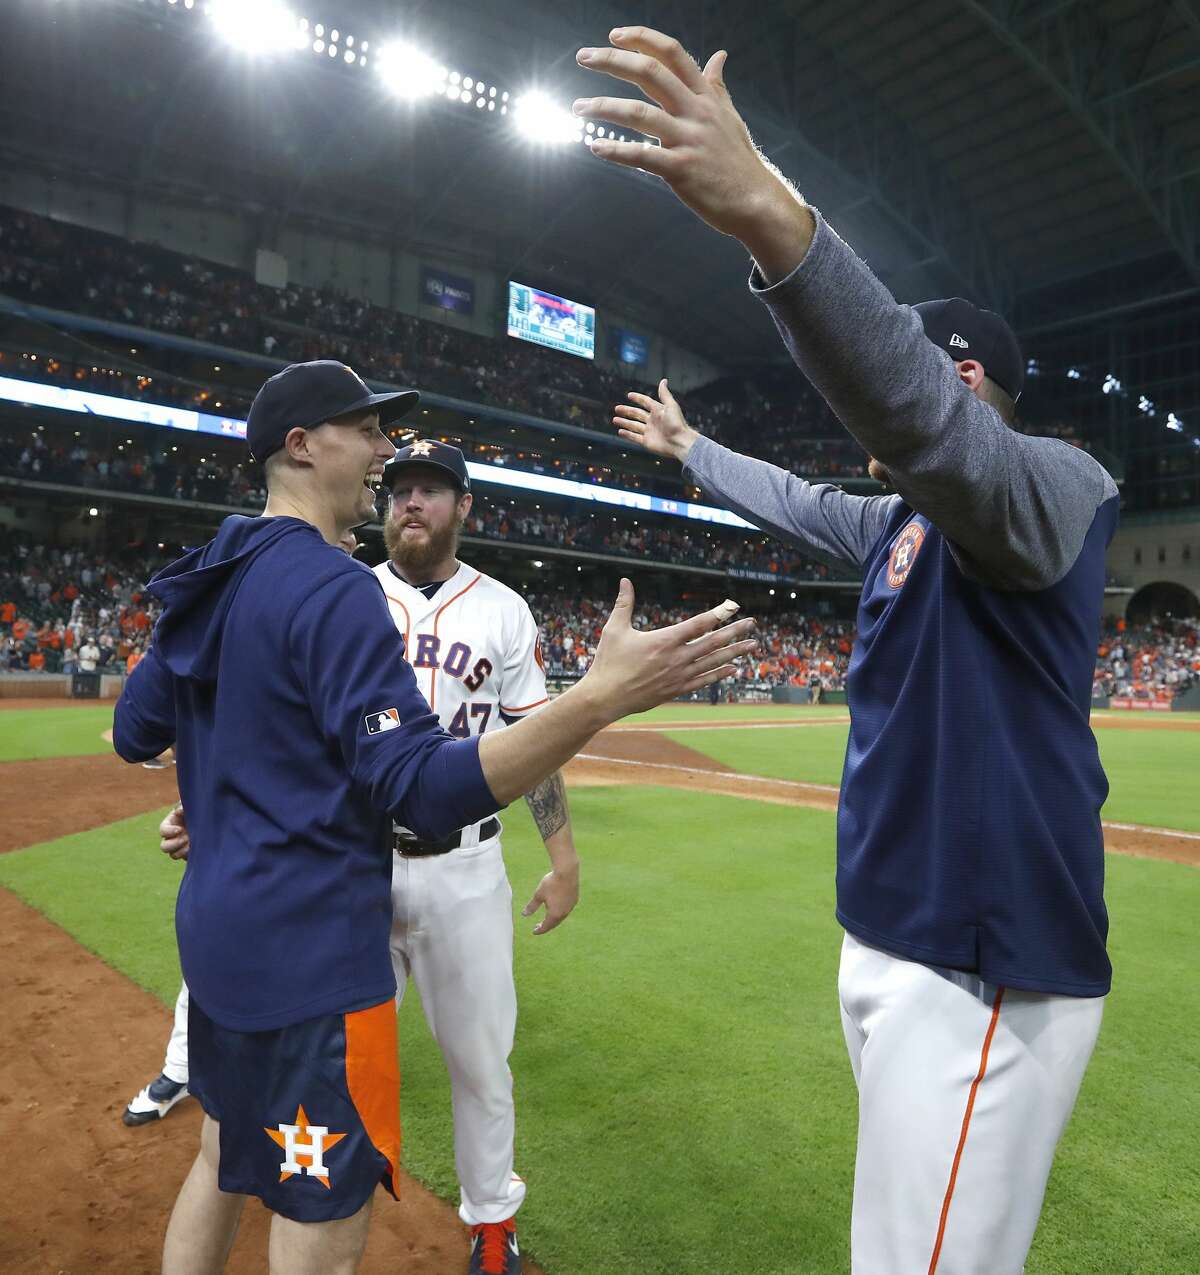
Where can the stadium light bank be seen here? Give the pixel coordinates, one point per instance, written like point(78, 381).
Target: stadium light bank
point(271, 28)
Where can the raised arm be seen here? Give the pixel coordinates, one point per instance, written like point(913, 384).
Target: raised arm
point(816, 516)
point(1016, 509)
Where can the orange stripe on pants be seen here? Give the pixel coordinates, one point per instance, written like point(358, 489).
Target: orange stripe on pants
point(966, 1124)
point(373, 1078)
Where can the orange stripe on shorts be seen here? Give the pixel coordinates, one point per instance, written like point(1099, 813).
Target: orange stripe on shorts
point(373, 1078)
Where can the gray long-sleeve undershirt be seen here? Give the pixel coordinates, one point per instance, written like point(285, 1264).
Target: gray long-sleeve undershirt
point(1015, 509)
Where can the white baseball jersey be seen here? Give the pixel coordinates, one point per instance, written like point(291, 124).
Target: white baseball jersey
point(474, 648)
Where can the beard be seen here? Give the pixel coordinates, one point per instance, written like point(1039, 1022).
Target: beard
point(415, 557)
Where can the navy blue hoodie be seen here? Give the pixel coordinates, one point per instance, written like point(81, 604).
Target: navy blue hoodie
point(277, 673)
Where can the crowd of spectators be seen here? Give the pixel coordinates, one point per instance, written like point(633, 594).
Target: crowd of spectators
point(214, 478)
point(219, 478)
point(63, 609)
point(1148, 662)
point(68, 610)
point(795, 649)
point(649, 541)
point(84, 271)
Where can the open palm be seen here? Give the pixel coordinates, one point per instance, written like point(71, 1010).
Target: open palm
point(657, 424)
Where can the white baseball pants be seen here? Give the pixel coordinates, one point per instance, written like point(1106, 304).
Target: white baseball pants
point(175, 1065)
point(964, 1089)
point(452, 930)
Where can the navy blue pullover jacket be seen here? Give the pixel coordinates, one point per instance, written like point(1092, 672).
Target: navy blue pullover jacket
point(277, 673)
point(969, 827)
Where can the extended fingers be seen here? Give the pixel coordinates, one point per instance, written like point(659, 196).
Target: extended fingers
point(721, 659)
point(722, 638)
point(697, 625)
point(658, 81)
point(633, 413)
point(663, 48)
point(656, 160)
point(707, 679)
point(631, 113)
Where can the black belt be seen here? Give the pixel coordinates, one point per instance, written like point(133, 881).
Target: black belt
point(410, 847)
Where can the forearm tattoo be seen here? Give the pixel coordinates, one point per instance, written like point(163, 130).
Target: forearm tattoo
point(548, 805)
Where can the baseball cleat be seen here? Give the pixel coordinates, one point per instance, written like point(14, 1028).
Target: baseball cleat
point(155, 763)
point(154, 1101)
point(494, 1249)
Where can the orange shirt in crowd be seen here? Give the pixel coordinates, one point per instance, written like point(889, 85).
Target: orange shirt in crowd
point(132, 660)
point(8, 612)
point(37, 662)
point(20, 629)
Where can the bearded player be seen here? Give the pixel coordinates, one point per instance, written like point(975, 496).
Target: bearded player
point(473, 645)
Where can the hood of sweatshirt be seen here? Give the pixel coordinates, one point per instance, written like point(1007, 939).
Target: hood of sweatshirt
point(198, 590)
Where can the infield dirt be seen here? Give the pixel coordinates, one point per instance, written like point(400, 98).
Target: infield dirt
point(80, 1038)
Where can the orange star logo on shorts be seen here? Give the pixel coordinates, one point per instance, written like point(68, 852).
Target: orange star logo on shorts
point(304, 1156)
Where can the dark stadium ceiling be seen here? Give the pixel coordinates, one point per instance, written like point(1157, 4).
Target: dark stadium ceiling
point(1038, 155)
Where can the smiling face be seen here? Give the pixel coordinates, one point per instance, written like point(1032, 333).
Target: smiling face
point(426, 515)
point(347, 455)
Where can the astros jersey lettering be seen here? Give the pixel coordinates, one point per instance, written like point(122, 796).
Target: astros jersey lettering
point(473, 646)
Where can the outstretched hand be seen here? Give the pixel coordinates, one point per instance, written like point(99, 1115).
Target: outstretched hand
point(634, 671)
point(706, 154)
point(657, 424)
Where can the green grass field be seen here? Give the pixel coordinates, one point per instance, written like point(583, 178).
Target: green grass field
point(1152, 774)
point(30, 733)
point(684, 1102)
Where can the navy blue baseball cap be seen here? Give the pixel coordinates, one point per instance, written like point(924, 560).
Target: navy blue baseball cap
point(427, 451)
point(309, 394)
point(965, 331)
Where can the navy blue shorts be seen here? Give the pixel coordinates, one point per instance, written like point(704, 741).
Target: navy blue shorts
point(309, 1114)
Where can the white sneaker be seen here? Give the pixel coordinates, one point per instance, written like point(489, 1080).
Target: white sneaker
point(154, 1101)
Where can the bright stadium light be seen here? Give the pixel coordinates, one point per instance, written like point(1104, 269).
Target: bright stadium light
point(409, 72)
point(255, 26)
point(540, 120)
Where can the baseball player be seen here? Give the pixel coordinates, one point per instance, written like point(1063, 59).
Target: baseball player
point(277, 674)
point(474, 645)
point(970, 854)
point(170, 1087)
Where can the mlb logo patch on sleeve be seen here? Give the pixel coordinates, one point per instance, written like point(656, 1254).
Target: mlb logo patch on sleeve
point(377, 723)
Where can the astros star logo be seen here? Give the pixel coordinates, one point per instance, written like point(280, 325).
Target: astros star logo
point(422, 449)
point(304, 1157)
point(904, 554)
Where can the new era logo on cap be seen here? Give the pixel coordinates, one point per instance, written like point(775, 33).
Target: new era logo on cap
point(958, 341)
point(377, 723)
